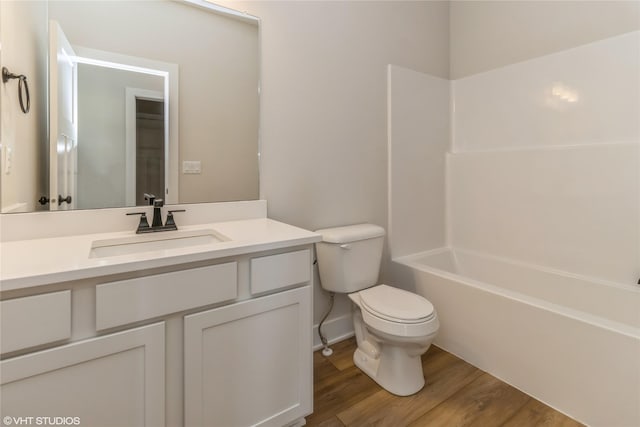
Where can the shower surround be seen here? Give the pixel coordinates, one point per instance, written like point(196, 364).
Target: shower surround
point(522, 223)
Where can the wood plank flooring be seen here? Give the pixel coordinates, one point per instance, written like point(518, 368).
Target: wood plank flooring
point(456, 394)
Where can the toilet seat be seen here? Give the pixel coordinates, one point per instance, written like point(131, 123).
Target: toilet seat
point(396, 305)
point(397, 312)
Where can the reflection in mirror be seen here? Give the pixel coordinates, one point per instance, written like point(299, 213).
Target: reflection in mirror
point(132, 147)
point(186, 130)
point(140, 132)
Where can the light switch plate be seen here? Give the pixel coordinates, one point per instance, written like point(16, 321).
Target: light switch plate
point(191, 167)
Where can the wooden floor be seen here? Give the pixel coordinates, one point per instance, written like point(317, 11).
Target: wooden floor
point(455, 394)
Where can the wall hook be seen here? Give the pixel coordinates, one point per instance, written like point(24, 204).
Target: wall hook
point(23, 87)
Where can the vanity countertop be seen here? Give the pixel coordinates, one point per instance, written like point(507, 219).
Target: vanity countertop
point(35, 262)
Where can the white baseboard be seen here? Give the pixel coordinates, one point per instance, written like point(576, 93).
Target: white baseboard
point(336, 330)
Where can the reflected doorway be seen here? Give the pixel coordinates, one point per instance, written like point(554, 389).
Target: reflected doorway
point(150, 148)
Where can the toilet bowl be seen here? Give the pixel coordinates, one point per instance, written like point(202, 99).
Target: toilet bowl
point(393, 327)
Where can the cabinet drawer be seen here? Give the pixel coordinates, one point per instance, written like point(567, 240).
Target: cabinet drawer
point(279, 271)
point(36, 320)
point(128, 301)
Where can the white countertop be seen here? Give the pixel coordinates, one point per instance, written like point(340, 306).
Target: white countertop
point(28, 263)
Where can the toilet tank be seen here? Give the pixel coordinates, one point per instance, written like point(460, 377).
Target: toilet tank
point(349, 257)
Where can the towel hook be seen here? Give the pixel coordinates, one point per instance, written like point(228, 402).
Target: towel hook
point(23, 87)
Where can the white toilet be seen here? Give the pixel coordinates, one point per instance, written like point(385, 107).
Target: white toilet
point(393, 327)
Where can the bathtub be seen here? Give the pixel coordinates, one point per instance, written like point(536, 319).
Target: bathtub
point(571, 342)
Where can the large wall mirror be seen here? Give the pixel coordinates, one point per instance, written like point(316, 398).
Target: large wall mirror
point(128, 98)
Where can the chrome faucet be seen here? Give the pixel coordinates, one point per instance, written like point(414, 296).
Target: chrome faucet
point(156, 223)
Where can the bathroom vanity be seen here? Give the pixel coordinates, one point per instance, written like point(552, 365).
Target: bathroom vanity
point(208, 326)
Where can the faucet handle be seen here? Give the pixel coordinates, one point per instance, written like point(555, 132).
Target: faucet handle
point(170, 221)
point(144, 224)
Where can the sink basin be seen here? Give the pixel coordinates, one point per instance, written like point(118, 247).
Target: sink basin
point(154, 242)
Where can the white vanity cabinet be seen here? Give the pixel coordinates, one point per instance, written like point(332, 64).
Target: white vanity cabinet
point(112, 380)
point(221, 342)
point(249, 363)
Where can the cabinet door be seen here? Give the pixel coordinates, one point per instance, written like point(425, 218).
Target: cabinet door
point(114, 380)
point(250, 363)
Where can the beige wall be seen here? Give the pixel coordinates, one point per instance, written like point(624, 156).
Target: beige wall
point(490, 34)
point(24, 134)
point(324, 134)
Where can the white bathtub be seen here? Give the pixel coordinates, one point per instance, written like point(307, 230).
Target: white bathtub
point(569, 341)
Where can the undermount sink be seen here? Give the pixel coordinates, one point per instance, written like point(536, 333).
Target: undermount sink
point(154, 242)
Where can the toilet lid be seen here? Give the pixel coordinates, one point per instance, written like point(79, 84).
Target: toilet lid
point(396, 304)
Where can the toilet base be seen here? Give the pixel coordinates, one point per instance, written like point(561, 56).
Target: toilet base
point(394, 370)
point(394, 362)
